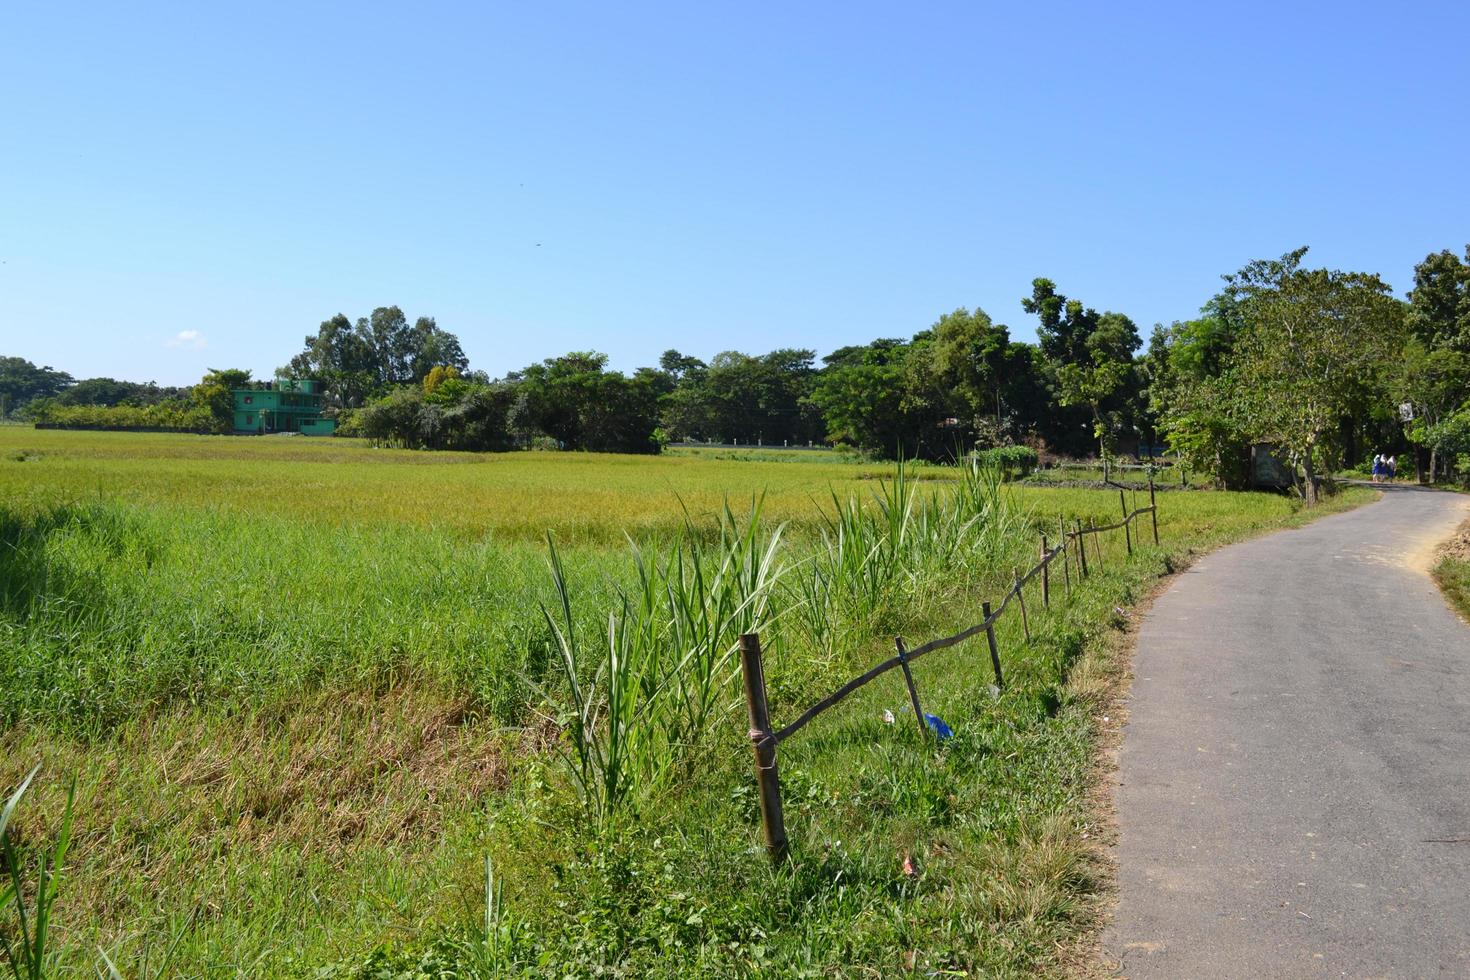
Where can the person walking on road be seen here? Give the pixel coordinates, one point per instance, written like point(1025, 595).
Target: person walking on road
point(1377, 467)
point(1393, 468)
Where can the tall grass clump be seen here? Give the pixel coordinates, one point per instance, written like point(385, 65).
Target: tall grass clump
point(874, 555)
point(643, 699)
point(25, 943)
point(645, 696)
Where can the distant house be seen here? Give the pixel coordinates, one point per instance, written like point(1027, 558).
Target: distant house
point(1269, 469)
point(284, 406)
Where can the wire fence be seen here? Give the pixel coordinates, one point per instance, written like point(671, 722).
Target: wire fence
point(765, 738)
point(1114, 474)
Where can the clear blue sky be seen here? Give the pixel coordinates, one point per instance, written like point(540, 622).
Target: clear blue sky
point(187, 186)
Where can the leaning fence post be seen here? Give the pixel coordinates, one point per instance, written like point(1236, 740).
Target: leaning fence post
point(1127, 521)
point(1153, 508)
point(994, 653)
point(1045, 576)
point(1021, 598)
point(1096, 542)
point(1066, 557)
point(1081, 549)
point(908, 678)
point(763, 741)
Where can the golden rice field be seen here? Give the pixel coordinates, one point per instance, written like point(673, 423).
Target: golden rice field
point(588, 497)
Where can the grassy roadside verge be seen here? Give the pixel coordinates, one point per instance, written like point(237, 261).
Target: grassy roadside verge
point(304, 811)
point(1453, 577)
point(1451, 571)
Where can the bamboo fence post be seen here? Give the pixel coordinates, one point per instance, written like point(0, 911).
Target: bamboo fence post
point(1096, 543)
point(1045, 576)
point(1066, 557)
point(908, 679)
point(1081, 550)
point(994, 653)
point(1153, 505)
point(763, 742)
point(1021, 598)
point(1127, 521)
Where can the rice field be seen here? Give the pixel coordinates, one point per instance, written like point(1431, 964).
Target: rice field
point(321, 701)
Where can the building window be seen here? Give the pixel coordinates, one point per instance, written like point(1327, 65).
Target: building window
point(250, 420)
point(249, 399)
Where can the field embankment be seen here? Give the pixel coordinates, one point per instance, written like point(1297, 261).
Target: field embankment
point(307, 688)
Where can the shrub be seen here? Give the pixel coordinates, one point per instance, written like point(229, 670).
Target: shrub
point(1012, 461)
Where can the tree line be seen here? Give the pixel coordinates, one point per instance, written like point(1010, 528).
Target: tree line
point(960, 383)
point(1324, 366)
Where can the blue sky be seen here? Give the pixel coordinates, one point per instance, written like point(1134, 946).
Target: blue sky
point(192, 185)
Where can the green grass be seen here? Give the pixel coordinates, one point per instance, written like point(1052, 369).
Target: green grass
point(306, 687)
point(1453, 576)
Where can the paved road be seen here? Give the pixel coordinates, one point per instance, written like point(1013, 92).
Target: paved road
point(1294, 782)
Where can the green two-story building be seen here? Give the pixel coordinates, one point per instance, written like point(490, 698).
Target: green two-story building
point(285, 406)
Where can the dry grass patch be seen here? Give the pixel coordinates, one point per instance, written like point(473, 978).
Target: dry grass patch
point(188, 797)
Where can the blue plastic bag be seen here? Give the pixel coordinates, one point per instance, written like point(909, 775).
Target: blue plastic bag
point(940, 728)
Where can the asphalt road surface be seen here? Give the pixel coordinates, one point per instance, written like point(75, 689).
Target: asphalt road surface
point(1294, 781)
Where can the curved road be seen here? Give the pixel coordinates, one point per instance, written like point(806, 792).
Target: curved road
point(1294, 782)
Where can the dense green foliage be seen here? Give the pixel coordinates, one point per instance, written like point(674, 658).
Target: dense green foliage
point(961, 384)
point(1010, 460)
point(22, 382)
point(1325, 366)
point(1434, 373)
point(379, 351)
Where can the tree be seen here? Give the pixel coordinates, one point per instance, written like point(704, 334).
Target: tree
point(22, 382)
point(340, 357)
point(214, 394)
point(1064, 324)
point(1439, 303)
point(862, 397)
point(1091, 386)
point(575, 400)
point(1433, 375)
point(1090, 355)
point(379, 351)
point(680, 365)
point(429, 347)
point(1312, 336)
point(110, 391)
point(970, 354)
point(1193, 398)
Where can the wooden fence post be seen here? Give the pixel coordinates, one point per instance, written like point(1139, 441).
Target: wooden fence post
point(908, 678)
point(994, 653)
point(1021, 598)
point(1153, 508)
point(763, 741)
point(1127, 521)
point(1045, 576)
point(1066, 558)
point(1081, 549)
